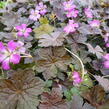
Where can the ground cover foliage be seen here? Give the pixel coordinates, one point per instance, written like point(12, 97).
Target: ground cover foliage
point(54, 54)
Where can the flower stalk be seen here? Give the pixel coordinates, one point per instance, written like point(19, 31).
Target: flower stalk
point(82, 65)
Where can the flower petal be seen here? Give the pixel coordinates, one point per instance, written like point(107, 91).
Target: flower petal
point(24, 26)
point(18, 28)
point(15, 58)
point(26, 34)
point(5, 64)
point(20, 44)
point(106, 64)
point(20, 33)
point(29, 30)
point(106, 56)
point(12, 45)
point(22, 50)
point(2, 57)
point(2, 47)
point(32, 11)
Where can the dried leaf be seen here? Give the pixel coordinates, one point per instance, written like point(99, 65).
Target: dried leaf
point(21, 90)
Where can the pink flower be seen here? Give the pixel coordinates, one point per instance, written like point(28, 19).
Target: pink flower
point(106, 62)
point(41, 8)
point(71, 27)
point(72, 13)
point(68, 6)
point(11, 53)
point(88, 12)
point(106, 57)
point(34, 15)
point(107, 44)
point(106, 39)
point(23, 30)
point(76, 78)
point(94, 23)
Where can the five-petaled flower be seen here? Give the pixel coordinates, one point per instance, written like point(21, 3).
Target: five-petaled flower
point(68, 6)
point(71, 27)
point(88, 12)
point(34, 15)
point(73, 13)
point(94, 23)
point(23, 30)
point(41, 8)
point(11, 53)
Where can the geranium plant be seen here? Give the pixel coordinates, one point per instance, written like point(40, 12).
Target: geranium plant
point(54, 54)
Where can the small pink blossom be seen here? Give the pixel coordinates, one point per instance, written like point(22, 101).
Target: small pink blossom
point(71, 27)
point(41, 8)
point(73, 13)
point(68, 6)
point(88, 12)
point(94, 23)
point(107, 44)
point(106, 39)
point(23, 30)
point(106, 62)
point(106, 57)
point(11, 53)
point(76, 78)
point(34, 15)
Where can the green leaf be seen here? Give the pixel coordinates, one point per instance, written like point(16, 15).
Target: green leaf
point(69, 74)
point(3, 4)
point(87, 81)
point(43, 29)
point(72, 67)
point(22, 65)
point(86, 84)
point(43, 20)
point(74, 91)
point(48, 83)
point(68, 95)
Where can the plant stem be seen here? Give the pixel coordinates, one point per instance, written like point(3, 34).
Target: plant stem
point(82, 65)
